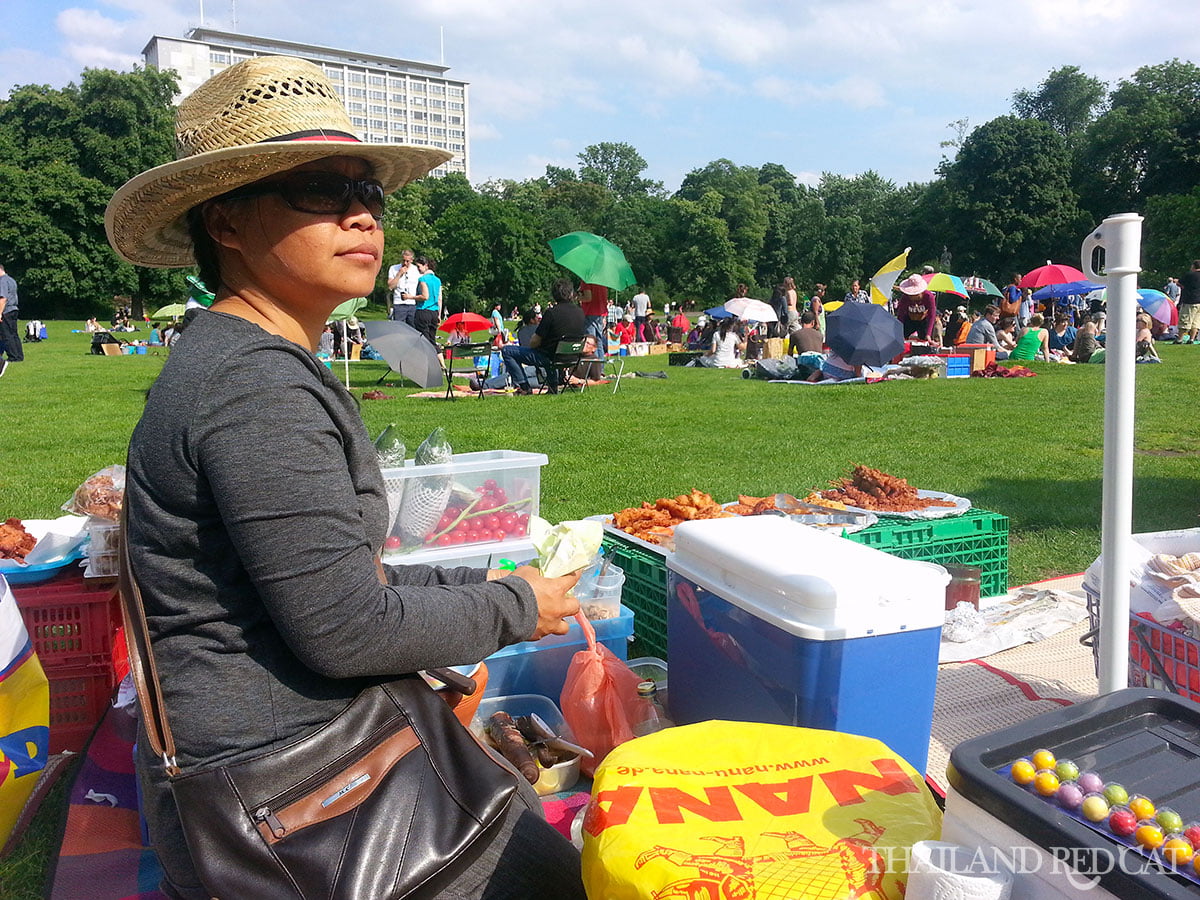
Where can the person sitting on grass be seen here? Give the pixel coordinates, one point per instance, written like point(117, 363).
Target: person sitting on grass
point(1144, 340)
point(807, 338)
point(726, 345)
point(983, 331)
point(564, 321)
point(1006, 333)
point(1062, 335)
point(1034, 342)
point(957, 328)
point(834, 368)
point(625, 330)
point(695, 337)
point(1085, 342)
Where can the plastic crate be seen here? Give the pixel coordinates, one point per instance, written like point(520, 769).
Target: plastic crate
point(958, 366)
point(976, 538)
point(518, 474)
point(79, 696)
point(644, 591)
point(70, 622)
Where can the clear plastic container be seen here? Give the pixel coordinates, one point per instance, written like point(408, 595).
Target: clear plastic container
point(599, 595)
point(561, 777)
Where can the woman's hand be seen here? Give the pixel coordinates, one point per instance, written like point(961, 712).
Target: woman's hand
point(554, 605)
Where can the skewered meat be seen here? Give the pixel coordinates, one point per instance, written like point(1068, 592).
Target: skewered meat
point(868, 488)
point(15, 541)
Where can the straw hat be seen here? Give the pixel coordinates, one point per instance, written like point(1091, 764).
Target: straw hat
point(913, 284)
point(257, 118)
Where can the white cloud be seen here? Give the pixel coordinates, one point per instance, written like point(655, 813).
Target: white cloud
point(484, 131)
point(856, 91)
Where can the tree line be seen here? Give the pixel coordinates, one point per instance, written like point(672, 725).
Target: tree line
point(1011, 193)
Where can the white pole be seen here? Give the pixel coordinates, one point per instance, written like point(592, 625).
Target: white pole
point(442, 43)
point(1121, 237)
point(201, 13)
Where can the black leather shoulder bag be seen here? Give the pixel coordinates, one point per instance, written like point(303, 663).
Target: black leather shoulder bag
point(370, 806)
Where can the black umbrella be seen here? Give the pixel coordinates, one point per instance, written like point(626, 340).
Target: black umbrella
point(864, 334)
point(407, 351)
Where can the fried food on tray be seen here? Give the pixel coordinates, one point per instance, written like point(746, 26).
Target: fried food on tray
point(817, 500)
point(752, 506)
point(15, 541)
point(868, 488)
point(655, 522)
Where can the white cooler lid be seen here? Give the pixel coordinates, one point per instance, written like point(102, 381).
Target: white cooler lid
point(810, 584)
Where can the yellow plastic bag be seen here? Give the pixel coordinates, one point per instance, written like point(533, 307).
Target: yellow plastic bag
point(24, 714)
point(741, 811)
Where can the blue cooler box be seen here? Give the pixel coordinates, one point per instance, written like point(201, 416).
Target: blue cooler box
point(540, 667)
point(772, 621)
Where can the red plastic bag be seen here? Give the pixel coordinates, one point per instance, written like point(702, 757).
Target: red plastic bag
point(599, 698)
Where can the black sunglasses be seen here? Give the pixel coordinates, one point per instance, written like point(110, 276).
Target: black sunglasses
point(318, 193)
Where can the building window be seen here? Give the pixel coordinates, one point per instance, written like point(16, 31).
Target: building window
point(438, 132)
point(438, 104)
point(357, 107)
point(356, 77)
point(436, 117)
point(456, 132)
point(359, 121)
point(219, 59)
point(418, 101)
point(454, 120)
point(399, 114)
point(376, 79)
point(418, 129)
point(418, 86)
point(399, 98)
point(458, 147)
point(437, 89)
point(454, 105)
point(378, 125)
point(377, 110)
point(357, 92)
point(336, 74)
point(377, 95)
point(420, 116)
point(341, 91)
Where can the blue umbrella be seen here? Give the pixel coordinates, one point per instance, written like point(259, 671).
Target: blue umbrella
point(864, 334)
point(718, 312)
point(1066, 289)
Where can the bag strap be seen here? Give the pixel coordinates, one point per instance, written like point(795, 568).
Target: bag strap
point(141, 658)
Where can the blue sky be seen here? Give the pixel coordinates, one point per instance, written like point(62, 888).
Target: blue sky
point(839, 85)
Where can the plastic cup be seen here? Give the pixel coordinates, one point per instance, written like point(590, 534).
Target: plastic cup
point(600, 595)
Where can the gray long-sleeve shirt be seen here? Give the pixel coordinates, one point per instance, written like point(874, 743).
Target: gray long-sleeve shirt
point(256, 511)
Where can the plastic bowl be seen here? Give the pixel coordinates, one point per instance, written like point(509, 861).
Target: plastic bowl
point(557, 778)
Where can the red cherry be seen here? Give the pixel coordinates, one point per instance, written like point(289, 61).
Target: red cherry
point(490, 484)
point(445, 540)
point(492, 521)
point(392, 543)
point(509, 521)
point(501, 497)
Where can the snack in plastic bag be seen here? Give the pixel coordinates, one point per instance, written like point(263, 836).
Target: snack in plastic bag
point(100, 495)
point(425, 498)
point(739, 809)
point(599, 699)
point(390, 447)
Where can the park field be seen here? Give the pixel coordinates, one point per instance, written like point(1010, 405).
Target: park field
point(1030, 448)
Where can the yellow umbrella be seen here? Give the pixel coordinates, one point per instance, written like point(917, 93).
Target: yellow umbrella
point(883, 280)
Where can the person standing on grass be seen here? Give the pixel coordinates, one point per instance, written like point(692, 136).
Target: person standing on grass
point(402, 281)
point(1189, 305)
point(429, 299)
point(641, 306)
point(856, 294)
point(10, 337)
point(593, 299)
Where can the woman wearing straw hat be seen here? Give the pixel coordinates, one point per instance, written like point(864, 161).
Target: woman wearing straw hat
point(256, 509)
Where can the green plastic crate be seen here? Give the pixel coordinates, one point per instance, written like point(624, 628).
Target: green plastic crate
point(645, 592)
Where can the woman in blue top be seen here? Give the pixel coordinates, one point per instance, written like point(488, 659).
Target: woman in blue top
point(429, 300)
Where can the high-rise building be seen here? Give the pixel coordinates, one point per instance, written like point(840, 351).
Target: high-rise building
point(390, 100)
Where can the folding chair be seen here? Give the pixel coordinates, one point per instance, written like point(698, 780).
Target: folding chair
point(471, 352)
point(566, 357)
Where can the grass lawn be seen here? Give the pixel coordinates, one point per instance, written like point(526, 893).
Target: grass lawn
point(1029, 448)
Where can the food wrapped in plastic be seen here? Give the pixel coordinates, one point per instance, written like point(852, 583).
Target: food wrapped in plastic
point(425, 499)
point(565, 547)
point(963, 623)
point(100, 495)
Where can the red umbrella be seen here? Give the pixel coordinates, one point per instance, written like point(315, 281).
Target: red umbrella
point(1050, 273)
point(469, 320)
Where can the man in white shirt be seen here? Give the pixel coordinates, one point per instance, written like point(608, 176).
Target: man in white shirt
point(641, 308)
point(402, 282)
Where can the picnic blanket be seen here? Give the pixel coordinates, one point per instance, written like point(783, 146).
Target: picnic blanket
point(102, 856)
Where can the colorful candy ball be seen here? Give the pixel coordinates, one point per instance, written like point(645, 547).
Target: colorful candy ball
point(1091, 783)
point(1023, 771)
point(1192, 833)
point(1043, 759)
point(1045, 782)
point(1122, 821)
point(1170, 820)
point(1177, 850)
point(1066, 770)
point(1149, 834)
point(1142, 807)
point(1196, 863)
point(1115, 794)
point(1094, 807)
point(1068, 795)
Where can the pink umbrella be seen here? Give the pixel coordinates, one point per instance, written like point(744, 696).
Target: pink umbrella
point(1050, 273)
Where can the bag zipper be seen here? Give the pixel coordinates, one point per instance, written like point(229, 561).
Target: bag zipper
point(266, 812)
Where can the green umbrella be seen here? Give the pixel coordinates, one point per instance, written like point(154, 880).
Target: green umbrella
point(345, 310)
point(170, 311)
point(594, 259)
point(977, 285)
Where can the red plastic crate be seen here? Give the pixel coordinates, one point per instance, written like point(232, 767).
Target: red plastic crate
point(79, 696)
point(70, 622)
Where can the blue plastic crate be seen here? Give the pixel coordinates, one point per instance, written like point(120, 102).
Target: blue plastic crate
point(958, 367)
point(540, 667)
